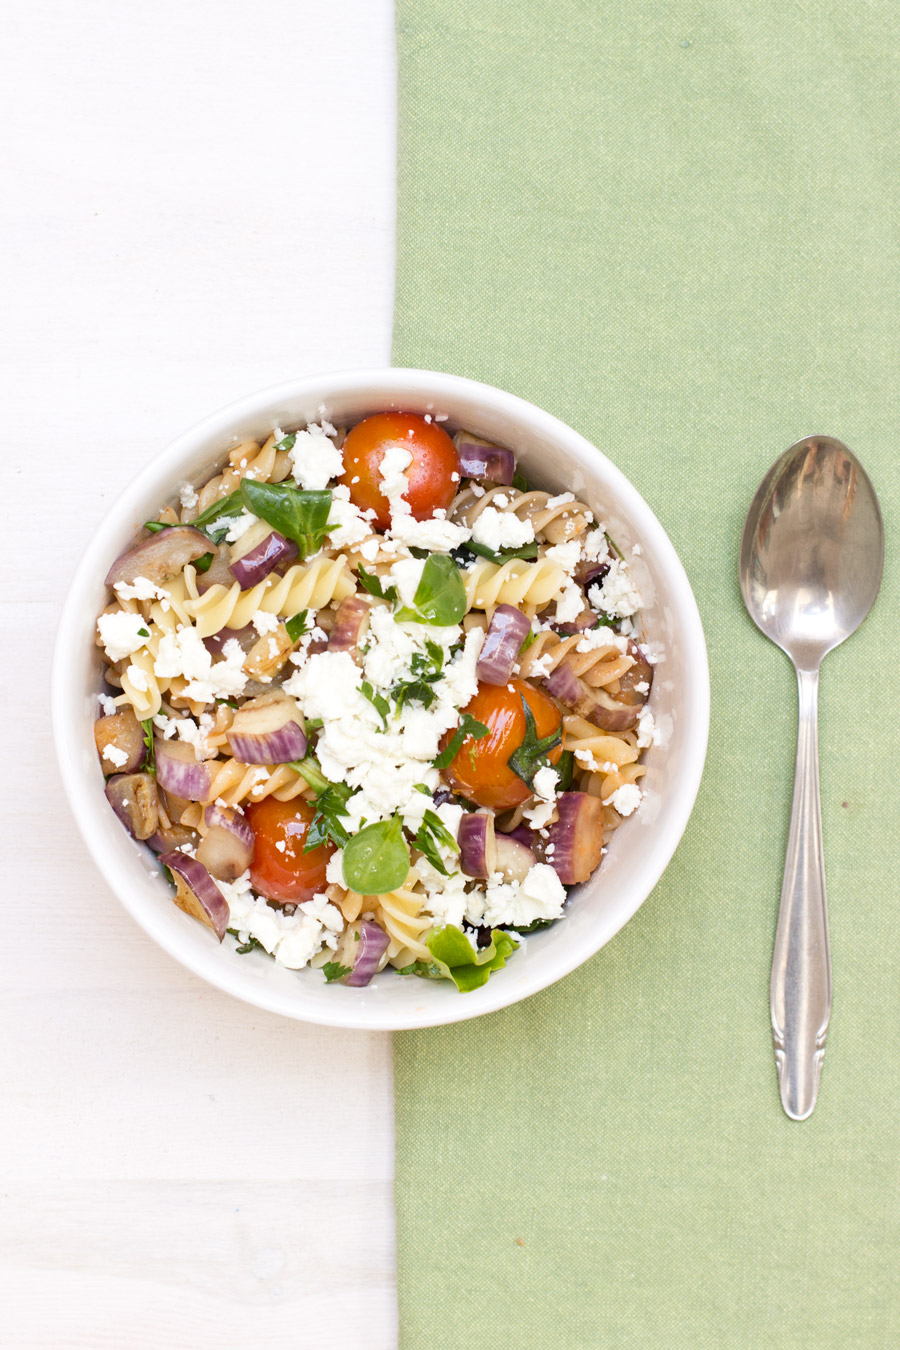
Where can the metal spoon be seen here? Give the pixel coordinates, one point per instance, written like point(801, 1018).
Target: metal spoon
point(812, 553)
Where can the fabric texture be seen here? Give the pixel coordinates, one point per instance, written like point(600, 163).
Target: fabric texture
point(675, 226)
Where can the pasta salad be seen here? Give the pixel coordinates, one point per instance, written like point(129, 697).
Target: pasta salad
point(373, 700)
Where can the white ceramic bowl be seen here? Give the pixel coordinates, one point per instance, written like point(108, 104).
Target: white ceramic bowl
point(552, 455)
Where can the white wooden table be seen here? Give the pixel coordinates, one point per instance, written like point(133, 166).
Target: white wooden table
point(197, 201)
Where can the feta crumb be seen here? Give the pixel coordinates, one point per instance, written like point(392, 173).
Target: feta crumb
point(108, 705)
point(315, 458)
point(142, 588)
point(570, 603)
point(567, 555)
point(616, 593)
point(394, 481)
point(138, 678)
point(236, 525)
point(264, 622)
point(122, 633)
point(626, 799)
point(188, 496)
point(115, 756)
point(498, 530)
point(646, 729)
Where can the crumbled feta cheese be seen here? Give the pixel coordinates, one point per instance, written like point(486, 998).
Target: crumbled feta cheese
point(138, 678)
point(196, 733)
point(567, 555)
point(545, 784)
point(563, 499)
point(108, 705)
point(188, 496)
point(183, 654)
point(122, 633)
point(394, 482)
point(315, 458)
point(334, 871)
point(595, 546)
point(570, 603)
point(593, 638)
point(511, 904)
point(646, 729)
point(167, 727)
point(615, 594)
point(498, 530)
point(236, 525)
point(264, 622)
point(348, 524)
point(142, 588)
point(115, 756)
point(437, 535)
point(626, 799)
point(293, 939)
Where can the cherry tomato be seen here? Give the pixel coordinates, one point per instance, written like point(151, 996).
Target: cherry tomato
point(434, 461)
point(479, 770)
point(290, 876)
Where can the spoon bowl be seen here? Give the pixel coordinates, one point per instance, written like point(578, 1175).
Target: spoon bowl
point(811, 560)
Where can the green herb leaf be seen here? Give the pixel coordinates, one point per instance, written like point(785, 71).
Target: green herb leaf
point(374, 585)
point(149, 765)
point(413, 689)
point(520, 482)
point(614, 546)
point(154, 526)
point(378, 702)
point(143, 632)
point(204, 562)
point(244, 947)
point(469, 726)
point(206, 522)
point(301, 516)
point(535, 926)
point(532, 753)
point(527, 551)
point(287, 442)
point(426, 969)
point(377, 859)
point(433, 832)
point(326, 824)
point(333, 970)
point(298, 625)
point(459, 961)
point(440, 597)
point(530, 636)
point(310, 770)
point(606, 620)
point(565, 767)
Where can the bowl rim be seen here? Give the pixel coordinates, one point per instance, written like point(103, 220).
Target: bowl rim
point(332, 384)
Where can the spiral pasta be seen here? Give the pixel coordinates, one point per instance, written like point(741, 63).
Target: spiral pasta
point(556, 519)
point(303, 586)
point(248, 460)
point(526, 584)
point(598, 666)
point(400, 915)
point(233, 783)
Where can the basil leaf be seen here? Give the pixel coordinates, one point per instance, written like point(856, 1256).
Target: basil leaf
point(377, 859)
point(440, 597)
point(527, 551)
point(326, 824)
point(333, 970)
point(532, 753)
point(469, 726)
point(433, 832)
point(565, 767)
point(310, 770)
point(287, 442)
point(520, 482)
point(247, 946)
point(373, 584)
point(301, 516)
point(457, 960)
point(413, 689)
point(206, 522)
point(298, 625)
point(149, 764)
point(380, 704)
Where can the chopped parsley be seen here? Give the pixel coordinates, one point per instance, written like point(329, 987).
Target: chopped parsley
point(333, 971)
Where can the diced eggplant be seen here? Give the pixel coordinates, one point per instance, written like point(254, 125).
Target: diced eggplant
point(477, 845)
point(162, 556)
point(514, 859)
point(255, 565)
point(502, 643)
point(196, 893)
point(574, 843)
point(133, 798)
point(226, 850)
point(180, 772)
point(120, 733)
point(481, 460)
point(349, 625)
point(267, 730)
point(363, 947)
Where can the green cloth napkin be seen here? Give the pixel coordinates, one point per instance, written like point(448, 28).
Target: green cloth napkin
point(676, 227)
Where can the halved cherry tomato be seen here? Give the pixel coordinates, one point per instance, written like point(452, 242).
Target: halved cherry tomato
point(434, 461)
point(290, 876)
point(479, 769)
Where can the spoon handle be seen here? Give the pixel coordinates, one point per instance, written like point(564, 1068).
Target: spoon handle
point(800, 991)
